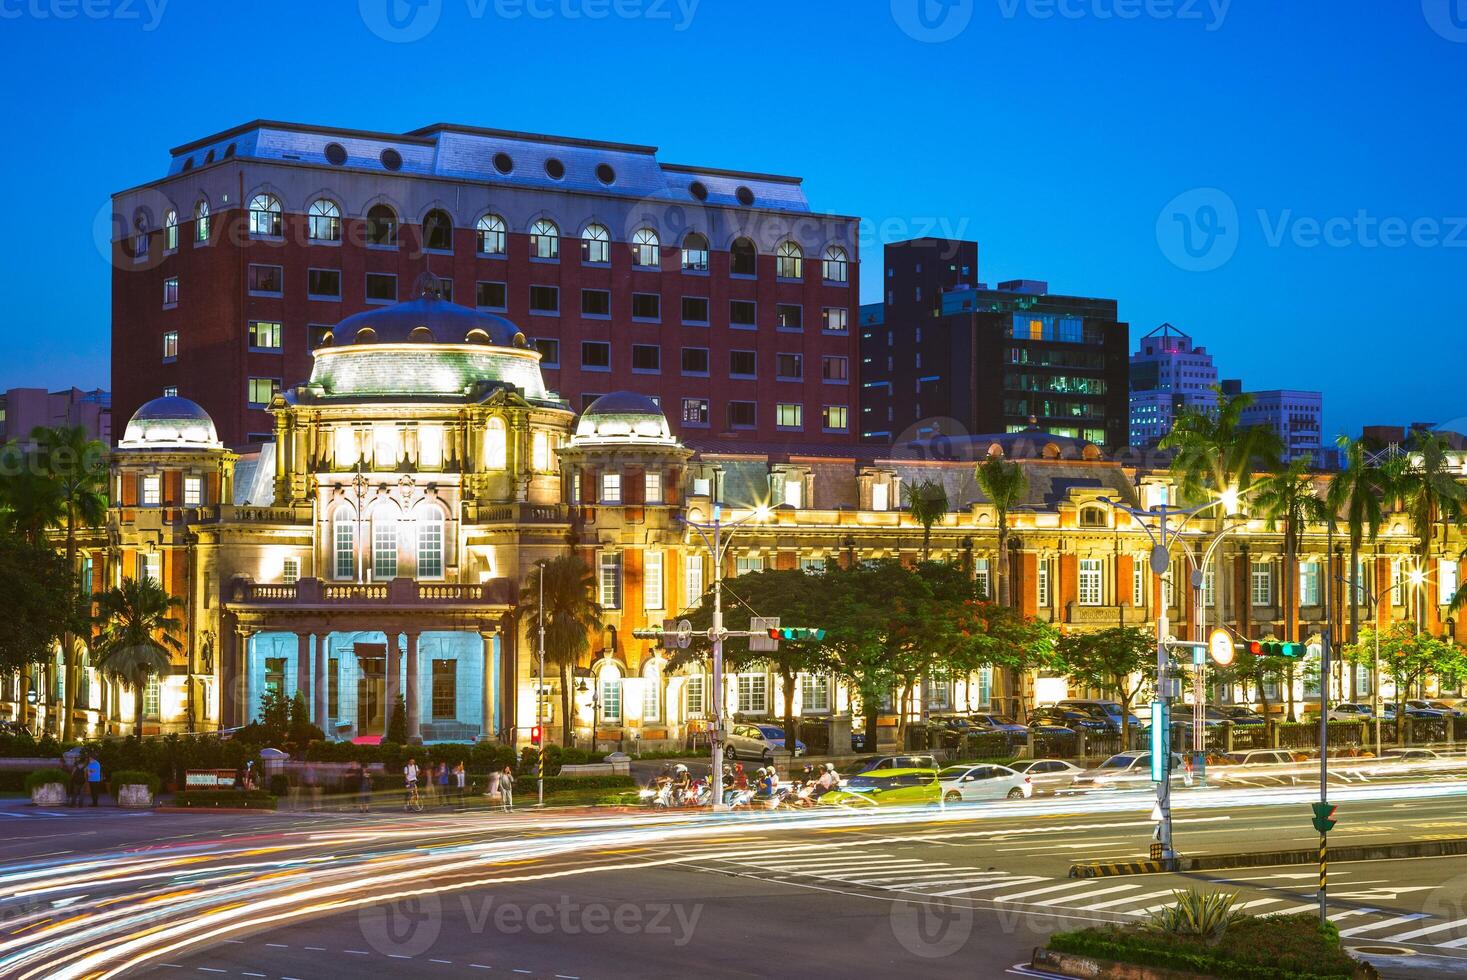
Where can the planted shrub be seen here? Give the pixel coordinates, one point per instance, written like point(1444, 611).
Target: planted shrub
point(1206, 915)
point(41, 777)
point(136, 777)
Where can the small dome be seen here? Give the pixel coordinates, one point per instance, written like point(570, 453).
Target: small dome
point(427, 319)
point(623, 416)
point(170, 422)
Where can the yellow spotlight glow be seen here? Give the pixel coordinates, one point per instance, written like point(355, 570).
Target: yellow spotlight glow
point(1230, 501)
point(1416, 576)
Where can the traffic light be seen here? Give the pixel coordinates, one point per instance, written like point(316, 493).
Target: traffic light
point(1276, 648)
point(1324, 817)
point(796, 633)
point(535, 735)
point(648, 633)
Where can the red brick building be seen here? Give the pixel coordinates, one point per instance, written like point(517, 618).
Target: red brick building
point(718, 292)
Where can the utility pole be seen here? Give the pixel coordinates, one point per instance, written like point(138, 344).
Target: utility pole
point(1324, 682)
point(540, 695)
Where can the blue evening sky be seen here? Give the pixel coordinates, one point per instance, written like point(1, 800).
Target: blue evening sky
point(1185, 158)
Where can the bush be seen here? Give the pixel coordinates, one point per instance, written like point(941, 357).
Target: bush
point(41, 777)
point(279, 784)
point(629, 798)
point(215, 798)
point(553, 783)
point(134, 777)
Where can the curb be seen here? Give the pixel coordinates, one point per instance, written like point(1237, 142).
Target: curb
point(1211, 862)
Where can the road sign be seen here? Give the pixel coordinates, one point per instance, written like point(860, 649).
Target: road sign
point(684, 634)
point(1160, 742)
point(31, 697)
point(1220, 646)
point(760, 626)
point(1324, 817)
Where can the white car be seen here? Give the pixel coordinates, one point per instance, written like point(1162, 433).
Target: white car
point(757, 742)
point(1129, 770)
point(1048, 775)
point(968, 784)
point(1350, 711)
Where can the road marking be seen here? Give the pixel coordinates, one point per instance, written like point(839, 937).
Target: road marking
point(1144, 897)
point(1103, 891)
point(1065, 886)
point(1402, 937)
point(984, 888)
point(1260, 901)
point(1398, 920)
point(357, 952)
point(211, 969)
point(316, 949)
point(480, 966)
point(944, 880)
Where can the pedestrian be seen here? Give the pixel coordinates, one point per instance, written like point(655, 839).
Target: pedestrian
point(491, 789)
point(460, 775)
point(313, 786)
point(364, 787)
point(443, 784)
point(94, 778)
point(410, 781)
point(78, 783)
point(506, 788)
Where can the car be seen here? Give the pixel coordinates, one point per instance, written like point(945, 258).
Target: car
point(1388, 712)
point(883, 762)
point(757, 742)
point(1052, 716)
point(1126, 770)
point(1349, 711)
point(1212, 717)
point(998, 723)
point(1240, 715)
point(969, 784)
point(1110, 711)
point(1048, 775)
point(886, 787)
point(1424, 704)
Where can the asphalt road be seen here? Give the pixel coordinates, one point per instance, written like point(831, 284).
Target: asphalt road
point(965, 891)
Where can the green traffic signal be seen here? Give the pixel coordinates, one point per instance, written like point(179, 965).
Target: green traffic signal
point(1324, 817)
point(797, 633)
point(1276, 648)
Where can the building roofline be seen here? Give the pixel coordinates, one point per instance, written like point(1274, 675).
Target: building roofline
point(298, 128)
point(684, 168)
point(529, 137)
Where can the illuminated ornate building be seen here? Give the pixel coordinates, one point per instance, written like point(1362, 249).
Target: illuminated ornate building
point(376, 547)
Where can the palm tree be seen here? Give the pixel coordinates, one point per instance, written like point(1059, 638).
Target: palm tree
point(29, 503)
point(1215, 451)
point(1005, 485)
point(72, 460)
point(571, 614)
point(1288, 497)
point(137, 635)
point(1424, 483)
point(927, 504)
point(1356, 494)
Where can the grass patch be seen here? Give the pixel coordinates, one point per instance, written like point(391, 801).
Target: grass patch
point(253, 799)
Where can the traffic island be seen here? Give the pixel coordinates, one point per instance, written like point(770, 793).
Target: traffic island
point(1262, 859)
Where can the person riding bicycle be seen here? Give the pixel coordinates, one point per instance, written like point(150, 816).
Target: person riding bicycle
point(410, 781)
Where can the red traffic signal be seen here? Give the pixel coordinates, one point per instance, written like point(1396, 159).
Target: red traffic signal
point(535, 735)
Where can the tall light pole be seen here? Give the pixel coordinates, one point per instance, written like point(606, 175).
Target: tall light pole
point(540, 692)
point(1199, 634)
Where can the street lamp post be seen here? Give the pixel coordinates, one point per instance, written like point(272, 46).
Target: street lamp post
point(540, 692)
point(1199, 634)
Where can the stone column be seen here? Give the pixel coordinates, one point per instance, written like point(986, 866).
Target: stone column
point(490, 728)
point(303, 666)
point(323, 685)
point(394, 668)
point(414, 708)
point(240, 695)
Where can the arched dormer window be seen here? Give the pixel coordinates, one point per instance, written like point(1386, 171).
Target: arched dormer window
point(381, 226)
point(595, 245)
point(544, 240)
point(430, 540)
point(1093, 516)
point(695, 253)
point(264, 216)
point(646, 250)
point(490, 235)
point(323, 223)
point(344, 543)
point(835, 267)
point(789, 261)
point(496, 445)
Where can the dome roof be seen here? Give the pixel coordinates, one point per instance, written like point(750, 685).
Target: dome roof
point(170, 422)
point(624, 417)
point(429, 320)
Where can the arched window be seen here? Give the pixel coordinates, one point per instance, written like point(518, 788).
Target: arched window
point(170, 230)
point(544, 240)
point(789, 261)
point(742, 258)
point(384, 544)
point(835, 265)
point(1092, 517)
point(645, 251)
point(430, 541)
point(344, 543)
point(490, 232)
point(695, 253)
point(651, 692)
point(264, 216)
point(382, 226)
point(496, 445)
point(201, 221)
point(595, 245)
point(323, 224)
point(438, 231)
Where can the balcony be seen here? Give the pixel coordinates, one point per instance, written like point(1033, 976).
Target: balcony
point(398, 594)
point(1078, 615)
point(520, 513)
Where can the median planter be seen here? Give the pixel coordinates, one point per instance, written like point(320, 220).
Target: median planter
point(47, 787)
point(134, 789)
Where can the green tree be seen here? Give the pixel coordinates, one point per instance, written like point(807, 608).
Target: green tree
point(1289, 497)
point(39, 601)
point(1004, 484)
point(275, 715)
point(1115, 660)
point(1215, 452)
point(1408, 656)
point(927, 504)
point(1425, 483)
point(396, 732)
point(1356, 495)
point(30, 502)
point(137, 634)
point(571, 615)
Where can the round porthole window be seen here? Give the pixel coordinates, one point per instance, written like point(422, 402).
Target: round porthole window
point(391, 159)
point(604, 173)
point(503, 163)
point(335, 154)
point(554, 169)
point(699, 190)
point(745, 196)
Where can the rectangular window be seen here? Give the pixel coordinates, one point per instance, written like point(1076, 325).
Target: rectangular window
point(794, 491)
point(265, 335)
point(170, 391)
point(835, 319)
point(611, 699)
point(789, 415)
point(267, 279)
point(290, 571)
point(344, 548)
point(695, 361)
point(549, 352)
point(789, 367)
point(814, 693)
point(790, 316)
point(692, 581)
point(814, 566)
point(742, 415)
point(316, 334)
point(430, 549)
point(651, 696)
point(646, 358)
point(646, 306)
point(835, 418)
point(193, 491)
point(879, 492)
point(742, 364)
point(1043, 597)
point(753, 693)
point(1309, 583)
point(695, 309)
point(1446, 580)
point(742, 314)
point(445, 689)
point(611, 488)
point(1138, 582)
point(261, 390)
point(695, 411)
point(152, 490)
point(651, 580)
point(595, 302)
point(745, 564)
point(170, 291)
point(170, 345)
point(150, 696)
point(323, 283)
point(652, 487)
point(1209, 589)
point(1092, 582)
point(384, 549)
point(835, 369)
point(588, 398)
point(152, 566)
point(610, 580)
point(1261, 576)
point(381, 287)
point(596, 355)
point(693, 689)
point(983, 578)
point(333, 688)
point(544, 299)
point(490, 295)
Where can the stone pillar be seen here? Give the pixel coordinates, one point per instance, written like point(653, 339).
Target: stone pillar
point(490, 724)
point(240, 695)
point(394, 669)
point(303, 667)
point(414, 708)
point(323, 686)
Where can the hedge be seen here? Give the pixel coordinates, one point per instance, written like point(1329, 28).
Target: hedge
point(40, 777)
point(135, 777)
point(253, 799)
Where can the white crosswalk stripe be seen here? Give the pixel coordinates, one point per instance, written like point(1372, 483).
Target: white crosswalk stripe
point(988, 887)
point(1065, 886)
point(1371, 927)
point(1425, 931)
point(1144, 897)
point(1103, 891)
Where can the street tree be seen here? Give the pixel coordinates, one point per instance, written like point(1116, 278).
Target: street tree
point(1407, 657)
point(927, 504)
point(572, 615)
point(138, 632)
point(40, 602)
point(1289, 498)
point(1356, 496)
point(1215, 451)
point(1115, 660)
